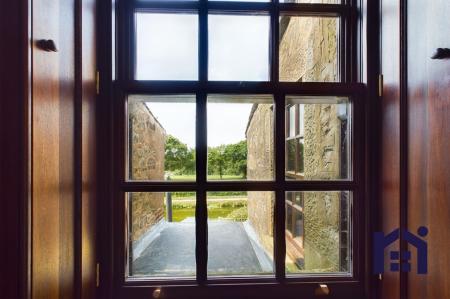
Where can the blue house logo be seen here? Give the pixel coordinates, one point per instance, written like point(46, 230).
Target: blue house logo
point(400, 261)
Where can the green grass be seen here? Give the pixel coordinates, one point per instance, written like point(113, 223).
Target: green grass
point(213, 213)
point(191, 195)
point(229, 208)
point(191, 177)
point(292, 268)
point(181, 214)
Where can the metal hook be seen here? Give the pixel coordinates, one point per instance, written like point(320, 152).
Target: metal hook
point(441, 53)
point(47, 45)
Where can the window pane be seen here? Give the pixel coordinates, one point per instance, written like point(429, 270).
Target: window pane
point(290, 155)
point(243, 0)
point(161, 234)
point(240, 137)
point(163, 0)
point(318, 233)
point(161, 141)
point(292, 121)
point(240, 233)
point(166, 46)
point(312, 1)
point(309, 49)
point(324, 150)
point(301, 118)
point(238, 47)
point(300, 156)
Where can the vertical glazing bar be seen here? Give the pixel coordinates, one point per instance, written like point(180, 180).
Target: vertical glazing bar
point(279, 217)
point(201, 211)
point(343, 49)
point(203, 41)
point(274, 41)
point(279, 230)
point(128, 63)
point(201, 217)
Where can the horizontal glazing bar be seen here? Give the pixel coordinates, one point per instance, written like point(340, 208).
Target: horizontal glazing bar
point(238, 186)
point(227, 6)
point(298, 88)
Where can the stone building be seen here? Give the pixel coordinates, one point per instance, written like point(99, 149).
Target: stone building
point(260, 140)
point(315, 149)
point(147, 149)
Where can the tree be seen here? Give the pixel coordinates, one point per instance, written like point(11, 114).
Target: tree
point(216, 160)
point(236, 158)
point(228, 159)
point(178, 157)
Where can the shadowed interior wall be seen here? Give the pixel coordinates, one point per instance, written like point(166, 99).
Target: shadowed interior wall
point(415, 123)
point(389, 181)
point(87, 147)
point(53, 197)
point(63, 155)
point(428, 122)
point(13, 148)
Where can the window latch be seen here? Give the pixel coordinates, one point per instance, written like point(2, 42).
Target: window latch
point(322, 290)
point(157, 293)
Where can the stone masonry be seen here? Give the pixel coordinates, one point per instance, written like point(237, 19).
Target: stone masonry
point(147, 149)
point(260, 167)
point(307, 54)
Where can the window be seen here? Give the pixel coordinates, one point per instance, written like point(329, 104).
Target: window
point(237, 148)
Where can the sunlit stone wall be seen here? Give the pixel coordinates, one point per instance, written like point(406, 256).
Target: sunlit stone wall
point(307, 53)
point(260, 166)
point(147, 148)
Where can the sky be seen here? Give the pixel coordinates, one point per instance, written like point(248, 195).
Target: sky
point(167, 49)
point(226, 122)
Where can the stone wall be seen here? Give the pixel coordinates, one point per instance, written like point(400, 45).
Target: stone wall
point(322, 143)
point(307, 53)
point(147, 149)
point(260, 147)
point(308, 49)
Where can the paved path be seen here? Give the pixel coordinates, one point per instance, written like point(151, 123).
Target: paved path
point(173, 251)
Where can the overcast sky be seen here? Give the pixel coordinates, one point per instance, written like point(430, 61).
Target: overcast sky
point(168, 50)
point(226, 122)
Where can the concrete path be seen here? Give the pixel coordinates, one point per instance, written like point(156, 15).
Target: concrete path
point(172, 253)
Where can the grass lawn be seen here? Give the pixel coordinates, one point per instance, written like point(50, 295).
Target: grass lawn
point(210, 177)
point(218, 207)
point(183, 213)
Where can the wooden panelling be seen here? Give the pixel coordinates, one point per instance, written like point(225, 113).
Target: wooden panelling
point(389, 203)
point(47, 150)
point(88, 150)
point(64, 176)
point(53, 151)
point(429, 144)
point(13, 148)
point(421, 114)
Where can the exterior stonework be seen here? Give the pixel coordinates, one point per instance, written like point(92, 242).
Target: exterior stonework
point(260, 143)
point(308, 50)
point(147, 148)
point(307, 53)
point(322, 210)
point(260, 166)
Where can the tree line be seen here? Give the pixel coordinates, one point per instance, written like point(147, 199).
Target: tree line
point(226, 159)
